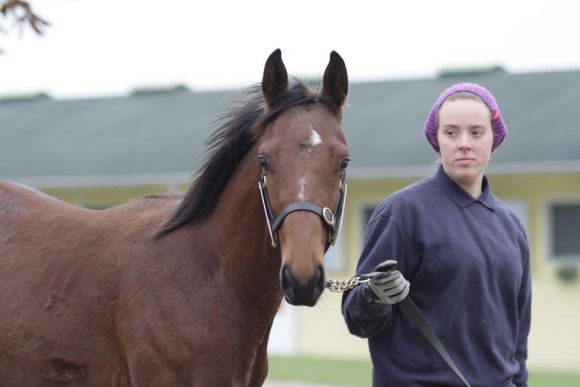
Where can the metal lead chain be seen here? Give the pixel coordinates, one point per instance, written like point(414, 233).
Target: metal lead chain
point(344, 285)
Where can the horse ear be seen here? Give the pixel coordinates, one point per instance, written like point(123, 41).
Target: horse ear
point(335, 81)
point(275, 79)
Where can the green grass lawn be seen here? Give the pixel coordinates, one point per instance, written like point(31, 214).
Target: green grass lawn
point(358, 372)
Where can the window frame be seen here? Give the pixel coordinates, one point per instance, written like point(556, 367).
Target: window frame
point(363, 207)
point(549, 222)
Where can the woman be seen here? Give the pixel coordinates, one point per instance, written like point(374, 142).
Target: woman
point(462, 256)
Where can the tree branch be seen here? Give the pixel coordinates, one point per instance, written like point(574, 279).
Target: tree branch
point(22, 13)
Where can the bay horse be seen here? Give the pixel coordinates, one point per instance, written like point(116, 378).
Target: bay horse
point(171, 290)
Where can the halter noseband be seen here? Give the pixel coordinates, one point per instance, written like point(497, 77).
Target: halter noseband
point(333, 222)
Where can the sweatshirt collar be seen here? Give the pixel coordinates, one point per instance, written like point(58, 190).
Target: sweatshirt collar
point(459, 195)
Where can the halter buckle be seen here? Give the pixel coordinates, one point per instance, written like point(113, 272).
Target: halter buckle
point(328, 216)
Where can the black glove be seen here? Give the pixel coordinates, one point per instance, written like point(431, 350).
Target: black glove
point(386, 286)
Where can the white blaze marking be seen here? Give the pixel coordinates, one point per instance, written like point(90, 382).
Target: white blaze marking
point(315, 138)
point(302, 187)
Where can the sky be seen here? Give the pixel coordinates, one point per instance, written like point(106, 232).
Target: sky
point(109, 47)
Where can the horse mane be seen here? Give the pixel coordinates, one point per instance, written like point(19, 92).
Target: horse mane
point(227, 146)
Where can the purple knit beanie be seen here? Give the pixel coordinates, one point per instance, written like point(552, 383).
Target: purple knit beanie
point(497, 124)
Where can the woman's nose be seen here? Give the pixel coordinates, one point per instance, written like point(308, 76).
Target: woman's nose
point(464, 141)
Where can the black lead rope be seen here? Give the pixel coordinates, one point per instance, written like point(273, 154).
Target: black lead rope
point(413, 311)
point(410, 308)
point(416, 315)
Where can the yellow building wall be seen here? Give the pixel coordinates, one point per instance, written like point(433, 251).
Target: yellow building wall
point(554, 342)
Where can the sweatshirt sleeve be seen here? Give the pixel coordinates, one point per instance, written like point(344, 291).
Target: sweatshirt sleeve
point(382, 241)
point(524, 311)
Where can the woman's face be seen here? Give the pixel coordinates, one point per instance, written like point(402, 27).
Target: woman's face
point(465, 140)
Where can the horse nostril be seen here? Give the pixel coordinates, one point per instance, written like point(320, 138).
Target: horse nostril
point(318, 277)
point(306, 294)
point(286, 278)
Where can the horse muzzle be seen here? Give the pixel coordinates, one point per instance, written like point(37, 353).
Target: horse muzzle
point(298, 294)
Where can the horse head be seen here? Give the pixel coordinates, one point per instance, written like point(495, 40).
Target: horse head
point(302, 154)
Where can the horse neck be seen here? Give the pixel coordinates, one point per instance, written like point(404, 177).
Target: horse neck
point(248, 259)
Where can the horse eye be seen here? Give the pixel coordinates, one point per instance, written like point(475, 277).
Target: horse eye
point(344, 164)
point(263, 160)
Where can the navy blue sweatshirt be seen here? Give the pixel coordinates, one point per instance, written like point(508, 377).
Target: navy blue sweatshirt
point(468, 264)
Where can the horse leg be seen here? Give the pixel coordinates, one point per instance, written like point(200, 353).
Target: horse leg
point(260, 368)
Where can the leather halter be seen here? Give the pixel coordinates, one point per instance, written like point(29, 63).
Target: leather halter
point(333, 222)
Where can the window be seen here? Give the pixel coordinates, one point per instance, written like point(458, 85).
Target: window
point(564, 225)
point(366, 212)
point(334, 258)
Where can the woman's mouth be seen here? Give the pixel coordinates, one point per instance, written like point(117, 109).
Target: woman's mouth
point(465, 160)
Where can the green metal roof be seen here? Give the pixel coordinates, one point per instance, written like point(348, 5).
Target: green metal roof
point(152, 134)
